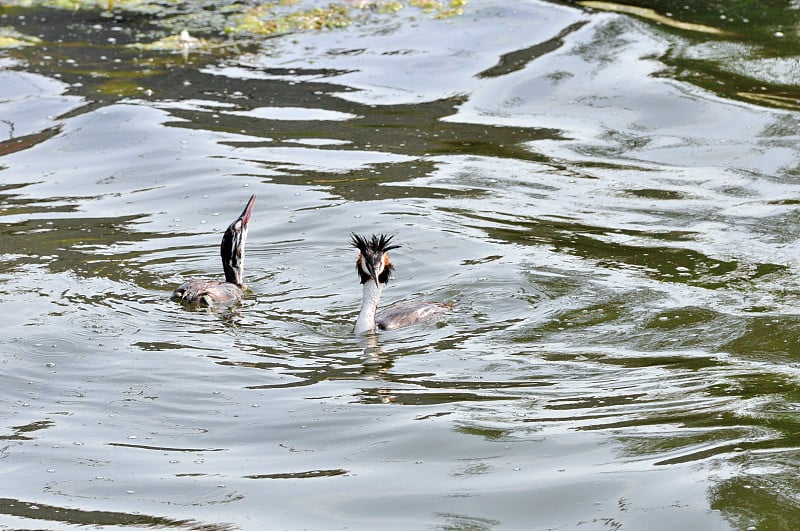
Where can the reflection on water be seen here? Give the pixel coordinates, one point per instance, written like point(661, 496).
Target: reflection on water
point(36, 511)
point(618, 244)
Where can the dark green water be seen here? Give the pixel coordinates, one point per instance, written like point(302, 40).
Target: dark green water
point(610, 200)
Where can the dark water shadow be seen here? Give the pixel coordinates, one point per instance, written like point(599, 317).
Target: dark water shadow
point(663, 263)
point(38, 512)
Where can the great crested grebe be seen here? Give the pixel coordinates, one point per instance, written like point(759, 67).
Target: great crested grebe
point(210, 292)
point(374, 269)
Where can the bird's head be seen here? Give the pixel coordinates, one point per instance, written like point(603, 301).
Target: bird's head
point(373, 259)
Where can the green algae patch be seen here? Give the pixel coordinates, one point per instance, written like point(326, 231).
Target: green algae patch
point(176, 26)
point(182, 42)
point(441, 9)
point(273, 17)
point(11, 38)
point(259, 18)
point(119, 88)
point(267, 19)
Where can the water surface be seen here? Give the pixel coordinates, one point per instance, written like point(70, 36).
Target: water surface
point(619, 244)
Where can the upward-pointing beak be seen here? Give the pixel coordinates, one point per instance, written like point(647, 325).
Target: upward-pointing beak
point(248, 209)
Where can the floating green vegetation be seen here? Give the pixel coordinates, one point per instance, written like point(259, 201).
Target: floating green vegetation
point(11, 38)
point(274, 17)
point(235, 17)
point(267, 19)
point(182, 42)
point(175, 25)
point(441, 9)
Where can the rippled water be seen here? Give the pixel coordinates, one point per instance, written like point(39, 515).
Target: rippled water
point(620, 247)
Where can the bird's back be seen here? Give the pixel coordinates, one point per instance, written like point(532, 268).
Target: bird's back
point(207, 292)
point(408, 313)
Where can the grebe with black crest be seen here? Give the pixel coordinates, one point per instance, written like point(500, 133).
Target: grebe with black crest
point(374, 270)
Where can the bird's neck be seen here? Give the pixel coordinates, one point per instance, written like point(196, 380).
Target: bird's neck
point(234, 272)
point(369, 307)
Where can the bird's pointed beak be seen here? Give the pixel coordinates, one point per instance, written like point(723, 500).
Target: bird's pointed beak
point(372, 273)
point(371, 266)
point(365, 260)
point(248, 210)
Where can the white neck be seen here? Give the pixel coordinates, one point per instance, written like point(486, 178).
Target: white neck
point(369, 307)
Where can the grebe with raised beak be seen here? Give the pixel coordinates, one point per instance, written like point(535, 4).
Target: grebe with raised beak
point(210, 292)
point(374, 269)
